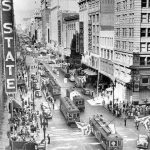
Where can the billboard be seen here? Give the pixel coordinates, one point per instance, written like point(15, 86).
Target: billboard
point(8, 45)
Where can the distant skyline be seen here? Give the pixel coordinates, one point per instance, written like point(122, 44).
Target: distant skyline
point(24, 9)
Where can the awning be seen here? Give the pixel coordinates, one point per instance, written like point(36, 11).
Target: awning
point(15, 104)
point(109, 89)
point(90, 72)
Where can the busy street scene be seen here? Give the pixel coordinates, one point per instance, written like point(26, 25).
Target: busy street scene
point(75, 75)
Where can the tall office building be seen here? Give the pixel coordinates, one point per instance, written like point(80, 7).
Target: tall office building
point(132, 50)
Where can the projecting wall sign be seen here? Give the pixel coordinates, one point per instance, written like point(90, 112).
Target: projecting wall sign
point(8, 45)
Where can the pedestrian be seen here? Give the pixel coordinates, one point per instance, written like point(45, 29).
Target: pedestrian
point(137, 125)
point(125, 121)
point(48, 137)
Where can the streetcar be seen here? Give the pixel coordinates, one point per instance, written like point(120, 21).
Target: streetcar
point(106, 135)
point(77, 99)
point(54, 88)
point(69, 110)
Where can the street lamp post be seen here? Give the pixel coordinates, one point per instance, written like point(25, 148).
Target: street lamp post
point(44, 123)
point(33, 92)
point(113, 85)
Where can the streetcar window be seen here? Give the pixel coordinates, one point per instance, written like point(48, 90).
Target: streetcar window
point(77, 114)
point(70, 115)
point(74, 115)
point(103, 139)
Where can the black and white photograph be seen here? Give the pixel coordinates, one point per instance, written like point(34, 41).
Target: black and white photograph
point(75, 75)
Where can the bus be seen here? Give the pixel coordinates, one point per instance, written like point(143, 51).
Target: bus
point(76, 97)
point(54, 88)
point(69, 110)
point(105, 133)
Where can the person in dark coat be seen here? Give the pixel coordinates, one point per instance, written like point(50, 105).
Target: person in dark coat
point(125, 121)
point(48, 138)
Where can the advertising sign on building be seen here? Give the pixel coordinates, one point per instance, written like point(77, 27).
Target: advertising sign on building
point(81, 38)
point(8, 46)
point(59, 32)
point(77, 41)
point(90, 35)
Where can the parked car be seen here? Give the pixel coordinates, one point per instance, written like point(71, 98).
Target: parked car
point(44, 105)
point(47, 112)
point(142, 141)
point(38, 93)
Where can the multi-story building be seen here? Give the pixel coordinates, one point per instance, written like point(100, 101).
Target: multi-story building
point(83, 17)
point(106, 45)
point(100, 18)
point(45, 11)
point(132, 56)
point(56, 6)
point(72, 38)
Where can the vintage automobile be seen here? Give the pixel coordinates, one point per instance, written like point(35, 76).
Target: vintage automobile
point(142, 141)
point(47, 113)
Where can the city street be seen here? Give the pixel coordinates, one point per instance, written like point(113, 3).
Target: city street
point(63, 137)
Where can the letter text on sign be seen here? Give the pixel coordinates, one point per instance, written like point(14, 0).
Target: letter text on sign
point(9, 46)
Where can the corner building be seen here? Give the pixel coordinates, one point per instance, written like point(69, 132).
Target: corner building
point(132, 50)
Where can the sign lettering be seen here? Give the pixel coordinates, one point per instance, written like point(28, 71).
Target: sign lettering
point(8, 45)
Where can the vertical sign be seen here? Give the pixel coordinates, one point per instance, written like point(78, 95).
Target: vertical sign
point(90, 35)
point(77, 42)
point(8, 45)
point(81, 38)
point(59, 32)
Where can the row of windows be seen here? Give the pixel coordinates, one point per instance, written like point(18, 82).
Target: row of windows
point(145, 17)
point(82, 6)
point(144, 61)
point(125, 45)
point(95, 40)
point(124, 58)
point(106, 41)
point(93, 4)
point(106, 54)
point(145, 32)
point(124, 5)
point(95, 50)
point(125, 18)
point(145, 47)
point(71, 26)
point(126, 32)
point(95, 28)
point(94, 18)
point(145, 3)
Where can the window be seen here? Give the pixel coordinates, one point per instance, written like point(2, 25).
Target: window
point(97, 39)
point(144, 3)
point(125, 4)
point(148, 60)
point(148, 34)
point(131, 4)
point(124, 32)
point(94, 49)
point(144, 80)
point(144, 18)
point(94, 39)
point(131, 46)
point(131, 32)
point(148, 17)
point(118, 32)
point(124, 44)
point(97, 16)
point(143, 32)
point(93, 18)
point(142, 61)
point(148, 47)
point(98, 50)
point(108, 54)
point(143, 47)
point(94, 29)
point(97, 28)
